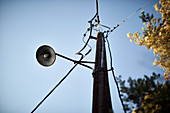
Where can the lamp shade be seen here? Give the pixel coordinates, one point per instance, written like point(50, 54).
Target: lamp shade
point(45, 55)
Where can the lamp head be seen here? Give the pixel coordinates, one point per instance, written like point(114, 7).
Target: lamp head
point(45, 55)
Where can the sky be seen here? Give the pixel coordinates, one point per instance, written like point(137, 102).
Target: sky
point(25, 25)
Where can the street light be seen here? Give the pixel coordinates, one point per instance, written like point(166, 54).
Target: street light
point(45, 55)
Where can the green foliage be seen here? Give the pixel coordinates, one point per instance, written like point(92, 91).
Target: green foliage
point(156, 35)
point(146, 94)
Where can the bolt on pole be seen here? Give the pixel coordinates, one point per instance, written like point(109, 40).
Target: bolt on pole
point(101, 90)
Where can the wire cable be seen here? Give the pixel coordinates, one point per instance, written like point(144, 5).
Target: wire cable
point(56, 86)
point(111, 65)
point(86, 43)
point(90, 29)
point(130, 16)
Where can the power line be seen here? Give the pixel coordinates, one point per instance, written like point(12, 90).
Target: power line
point(112, 69)
point(96, 18)
point(111, 65)
point(79, 53)
point(129, 16)
point(86, 43)
point(56, 86)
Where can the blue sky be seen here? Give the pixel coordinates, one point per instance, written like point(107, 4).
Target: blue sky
point(27, 24)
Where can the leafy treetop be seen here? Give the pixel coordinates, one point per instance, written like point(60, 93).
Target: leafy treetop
point(156, 35)
point(145, 95)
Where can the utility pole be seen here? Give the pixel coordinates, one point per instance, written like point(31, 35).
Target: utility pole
point(101, 90)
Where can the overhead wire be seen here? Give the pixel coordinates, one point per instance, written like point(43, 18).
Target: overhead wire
point(111, 65)
point(79, 53)
point(86, 43)
point(90, 29)
point(82, 56)
point(112, 69)
point(56, 86)
point(130, 16)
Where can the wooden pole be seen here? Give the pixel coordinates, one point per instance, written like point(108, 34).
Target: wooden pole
point(101, 90)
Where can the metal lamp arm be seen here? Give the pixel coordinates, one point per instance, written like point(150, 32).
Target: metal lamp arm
point(78, 62)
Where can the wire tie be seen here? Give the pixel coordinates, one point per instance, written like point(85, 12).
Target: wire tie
point(111, 69)
point(98, 70)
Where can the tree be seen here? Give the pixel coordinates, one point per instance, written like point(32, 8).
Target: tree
point(145, 95)
point(156, 35)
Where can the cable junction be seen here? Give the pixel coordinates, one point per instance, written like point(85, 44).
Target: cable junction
point(90, 29)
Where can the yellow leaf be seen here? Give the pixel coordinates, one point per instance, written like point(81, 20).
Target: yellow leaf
point(155, 63)
point(156, 7)
point(147, 47)
point(134, 110)
point(129, 35)
point(131, 40)
point(154, 21)
point(144, 23)
point(143, 29)
point(146, 38)
point(155, 51)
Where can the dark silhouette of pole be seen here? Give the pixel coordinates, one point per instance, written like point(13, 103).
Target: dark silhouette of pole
point(101, 90)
